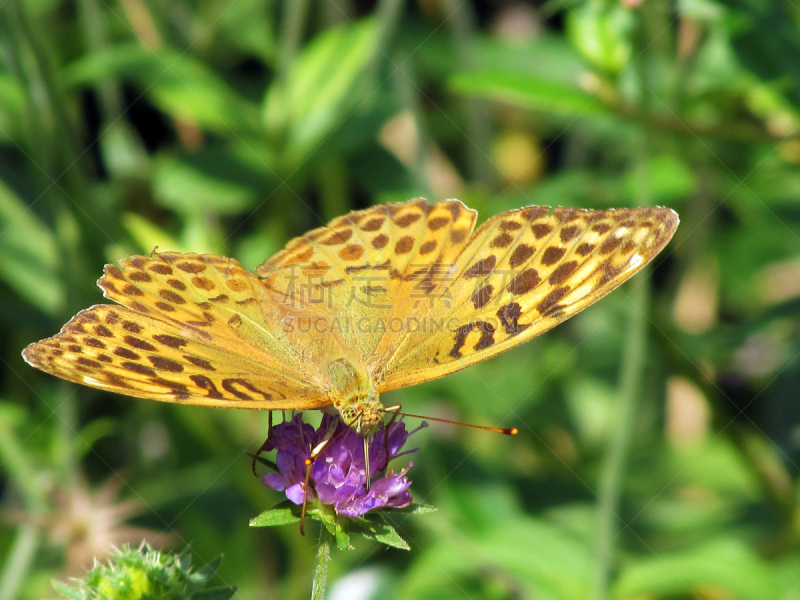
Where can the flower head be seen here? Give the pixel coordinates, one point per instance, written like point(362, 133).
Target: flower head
point(135, 573)
point(338, 474)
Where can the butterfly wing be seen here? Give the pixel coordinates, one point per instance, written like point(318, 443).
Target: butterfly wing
point(404, 290)
point(521, 273)
point(194, 329)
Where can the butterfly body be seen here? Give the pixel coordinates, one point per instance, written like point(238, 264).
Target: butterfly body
point(355, 397)
point(377, 300)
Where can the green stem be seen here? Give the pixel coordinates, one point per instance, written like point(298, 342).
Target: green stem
point(336, 12)
point(612, 476)
point(613, 473)
point(26, 543)
point(333, 188)
point(294, 21)
point(321, 564)
point(409, 98)
point(20, 559)
point(123, 153)
point(476, 110)
point(388, 13)
point(52, 139)
point(14, 460)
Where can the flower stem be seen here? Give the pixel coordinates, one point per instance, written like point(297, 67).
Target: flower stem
point(321, 564)
point(294, 22)
point(19, 561)
point(478, 122)
point(612, 475)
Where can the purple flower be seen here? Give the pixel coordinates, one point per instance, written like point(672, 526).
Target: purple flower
point(338, 473)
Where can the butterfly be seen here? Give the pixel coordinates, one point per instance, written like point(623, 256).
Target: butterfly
point(379, 299)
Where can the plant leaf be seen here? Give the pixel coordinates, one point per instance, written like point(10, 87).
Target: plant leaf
point(178, 83)
point(28, 255)
point(374, 527)
point(220, 593)
point(281, 514)
point(305, 109)
point(723, 564)
point(528, 91)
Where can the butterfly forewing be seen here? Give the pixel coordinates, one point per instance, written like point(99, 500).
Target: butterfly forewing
point(522, 273)
point(196, 329)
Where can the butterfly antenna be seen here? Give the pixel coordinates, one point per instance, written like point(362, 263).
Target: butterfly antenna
point(509, 431)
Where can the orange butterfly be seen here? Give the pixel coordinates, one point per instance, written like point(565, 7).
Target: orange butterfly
point(379, 299)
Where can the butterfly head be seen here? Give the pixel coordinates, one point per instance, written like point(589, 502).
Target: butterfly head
point(355, 398)
point(363, 414)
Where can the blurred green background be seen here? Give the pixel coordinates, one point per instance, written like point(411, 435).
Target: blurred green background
point(660, 429)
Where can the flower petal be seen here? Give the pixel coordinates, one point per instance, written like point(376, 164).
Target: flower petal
point(338, 474)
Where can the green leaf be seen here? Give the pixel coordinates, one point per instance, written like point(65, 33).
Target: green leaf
point(386, 534)
point(787, 574)
point(28, 254)
point(546, 55)
point(284, 513)
point(341, 533)
point(67, 591)
point(766, 41)
point(669, 178)
point(374, 527)
point(95, 430)
point(178, 83)
point(207, 571)
point(247, 25)
point(12, 107)
point(725, 565)
point(184, 185)
point(528, 91)
point(220, 593)
point(542, 560)
point(415, 509)
point(304, 110)
point(601, 31)
point(148, 235)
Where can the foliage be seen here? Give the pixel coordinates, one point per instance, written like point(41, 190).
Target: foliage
point(658, 448)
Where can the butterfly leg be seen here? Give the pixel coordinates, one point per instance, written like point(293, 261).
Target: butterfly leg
point(315, 452)
point(261, 449)
point(395, 410)
point(367, 439)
